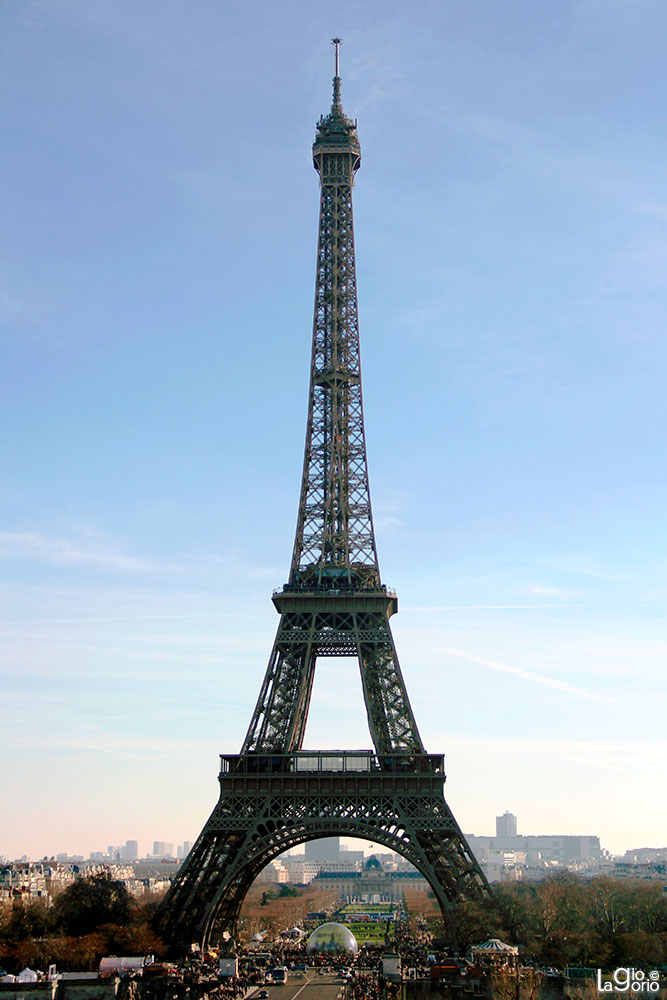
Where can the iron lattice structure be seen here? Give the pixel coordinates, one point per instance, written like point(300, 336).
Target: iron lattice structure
point(274, 795)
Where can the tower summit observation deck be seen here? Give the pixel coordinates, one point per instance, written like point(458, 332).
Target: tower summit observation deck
point(275, 795)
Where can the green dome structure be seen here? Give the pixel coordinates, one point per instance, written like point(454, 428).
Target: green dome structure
point(332, 938)
point(373, 864)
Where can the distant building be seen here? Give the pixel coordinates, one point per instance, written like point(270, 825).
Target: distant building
point(274, 873)
point(36, 879)
point(344, 865)
point(131, 850)
point(645, 855)
point(183, 849)
point(656, 872)
point(161, 849)
point(391, 862)
point(324, 850)
point(372, 885)
point(347, 856)
point(506, 825)
point(299, 871)
point(510, 855)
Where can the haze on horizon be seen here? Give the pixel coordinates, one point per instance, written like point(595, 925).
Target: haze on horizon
point(156, 301)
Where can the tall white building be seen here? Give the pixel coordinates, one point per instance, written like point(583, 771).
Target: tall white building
point(301, 872)
point(506, 825)
point(325, 850)
point(161, 849)
point(131, 850)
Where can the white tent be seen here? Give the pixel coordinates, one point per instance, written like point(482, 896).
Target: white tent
point(27, 976)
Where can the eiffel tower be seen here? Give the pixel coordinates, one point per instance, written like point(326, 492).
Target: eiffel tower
point(275, 795)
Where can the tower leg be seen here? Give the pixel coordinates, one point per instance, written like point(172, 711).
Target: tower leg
point(315, 624)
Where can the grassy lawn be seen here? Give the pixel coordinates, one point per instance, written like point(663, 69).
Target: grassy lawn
point(367, 931)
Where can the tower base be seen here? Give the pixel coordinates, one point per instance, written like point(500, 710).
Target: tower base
point(269, 804)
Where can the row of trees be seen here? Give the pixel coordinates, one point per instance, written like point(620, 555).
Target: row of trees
point(92, 917)
point(603, 922)
point(563, 921)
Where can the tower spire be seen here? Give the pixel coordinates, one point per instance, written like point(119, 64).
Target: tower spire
point(336, 105)
point(337, 42)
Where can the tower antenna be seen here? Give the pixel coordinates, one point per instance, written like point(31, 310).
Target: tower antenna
point(336, 42)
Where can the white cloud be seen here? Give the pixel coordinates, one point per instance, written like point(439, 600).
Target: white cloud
point(580, 564)
point(90, 548)
point(653, 210)
point(595, 752)
point(527, 675)
point(541, 152)
point(112, 750)
point(540, 590)
point(485, 607)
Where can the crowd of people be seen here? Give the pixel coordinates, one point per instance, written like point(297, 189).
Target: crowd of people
point(359, 975)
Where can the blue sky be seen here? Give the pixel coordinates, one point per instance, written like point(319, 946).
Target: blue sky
point(158, 241)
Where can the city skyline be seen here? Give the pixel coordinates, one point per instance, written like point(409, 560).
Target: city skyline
point(157, 302)
point(505, 826)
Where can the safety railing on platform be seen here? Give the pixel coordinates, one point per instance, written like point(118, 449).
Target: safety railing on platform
point(331, 761)
point(335, 590)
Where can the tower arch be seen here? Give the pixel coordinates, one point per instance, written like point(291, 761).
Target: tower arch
point(226, 906)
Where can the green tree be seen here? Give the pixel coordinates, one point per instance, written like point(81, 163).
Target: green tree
point(513, 908)
point(477, 920)
point(287, 890)
point(91, 902)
